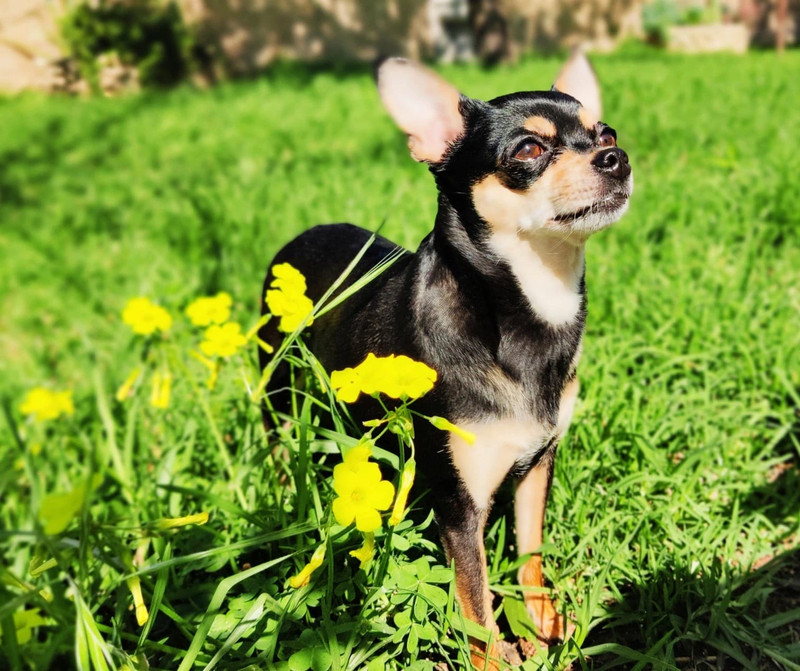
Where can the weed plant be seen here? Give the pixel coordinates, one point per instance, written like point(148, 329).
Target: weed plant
point(672, 530)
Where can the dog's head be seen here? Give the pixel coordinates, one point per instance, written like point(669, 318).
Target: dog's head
point(538, 161)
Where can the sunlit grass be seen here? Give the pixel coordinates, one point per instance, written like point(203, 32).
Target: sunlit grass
point(675, 490)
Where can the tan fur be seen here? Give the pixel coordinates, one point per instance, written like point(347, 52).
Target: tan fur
point(577, 79)
point(588, 118)
point(530, 502)
point(529, 505)
point(541, 126)
point(568, 185)
point(478, 649)
point(499, 444)
point(506, 391)
point(549, 623)
point(423, 105)
point(567, 405)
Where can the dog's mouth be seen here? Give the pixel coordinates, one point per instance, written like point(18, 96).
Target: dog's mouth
point(608, 204)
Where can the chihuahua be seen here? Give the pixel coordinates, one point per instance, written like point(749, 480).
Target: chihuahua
point(493, 299)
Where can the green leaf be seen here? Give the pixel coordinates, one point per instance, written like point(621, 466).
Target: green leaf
point(420, 609)
point(422, 567)
point(92, 651)
point(403, 619)
point(400, 543)
point(313, 659)
point(435, 595)
point(57, 510)
point(321, 660)
point(440, 574)
point(519, 620)
point(426, 632)
point(377, 664)
point(412, 642)
point(301, 660)
point(404, 577)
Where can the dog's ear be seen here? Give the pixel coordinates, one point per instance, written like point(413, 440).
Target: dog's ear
point(423, 105)
point(577, 79)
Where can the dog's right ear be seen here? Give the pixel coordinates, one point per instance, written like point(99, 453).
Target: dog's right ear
point(577, 78)
point(423, 105)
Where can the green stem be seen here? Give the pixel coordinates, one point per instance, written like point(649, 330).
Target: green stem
point(224, 454)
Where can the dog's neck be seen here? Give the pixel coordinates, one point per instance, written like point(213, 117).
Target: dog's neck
point(548, 269)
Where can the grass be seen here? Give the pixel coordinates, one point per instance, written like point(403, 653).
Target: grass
point(672, 532)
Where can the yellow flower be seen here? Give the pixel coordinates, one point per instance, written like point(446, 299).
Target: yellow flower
point(210, 309)
point(288, 279)
point(406, 480)
point(444, 425)
point(145, 317)
point(347, 384)
point(135, 586)
point(361, 491)
point(45, 404)
point(302, 579)
point(224, 340)
point(126, 387)
point(406, 378)
point(372, 372)
point(286, 298)
point(366, 552)
point(162, 385)
point(396, 376)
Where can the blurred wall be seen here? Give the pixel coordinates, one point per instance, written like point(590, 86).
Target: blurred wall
point(28, 45)
point(243, 36)
point(549, 25)
point(246, 35)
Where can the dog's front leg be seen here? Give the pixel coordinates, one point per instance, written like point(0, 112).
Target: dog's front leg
point(530, 502)
point(462, 524)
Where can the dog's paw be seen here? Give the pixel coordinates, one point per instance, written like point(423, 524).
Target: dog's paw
point(551, 626)
point(483, 659)
point(509, 654)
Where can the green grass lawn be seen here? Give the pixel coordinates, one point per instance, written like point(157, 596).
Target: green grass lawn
point(672, 531)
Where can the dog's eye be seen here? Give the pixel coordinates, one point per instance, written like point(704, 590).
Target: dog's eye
point(529, 151)
point(608, 140)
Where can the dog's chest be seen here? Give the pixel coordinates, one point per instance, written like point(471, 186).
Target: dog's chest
point(503, 444)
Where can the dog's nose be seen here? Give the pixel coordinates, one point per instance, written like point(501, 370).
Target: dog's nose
point(613, 161)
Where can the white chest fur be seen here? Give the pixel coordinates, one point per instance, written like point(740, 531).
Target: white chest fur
point(548, 271)
point(502, 442)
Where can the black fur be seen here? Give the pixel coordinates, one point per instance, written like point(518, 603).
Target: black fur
point(452, 304)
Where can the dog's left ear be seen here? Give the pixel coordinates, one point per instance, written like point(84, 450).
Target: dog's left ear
point(423, 105)
point(577, 79)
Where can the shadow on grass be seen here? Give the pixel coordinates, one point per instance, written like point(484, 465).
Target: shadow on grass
point(721, 617)
point(710, 620)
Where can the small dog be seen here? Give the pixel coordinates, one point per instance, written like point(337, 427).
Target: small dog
point(494, 300)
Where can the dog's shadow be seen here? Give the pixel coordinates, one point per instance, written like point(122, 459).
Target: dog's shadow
point(723, 616)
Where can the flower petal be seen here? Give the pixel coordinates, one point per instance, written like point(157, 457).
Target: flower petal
point(367, 519)
point(343, 511)
point(380, 496)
